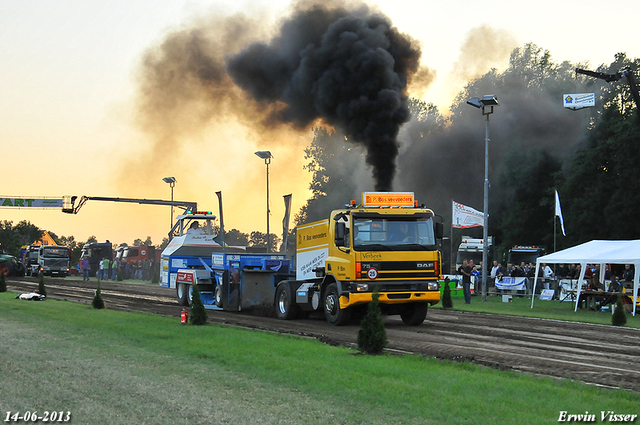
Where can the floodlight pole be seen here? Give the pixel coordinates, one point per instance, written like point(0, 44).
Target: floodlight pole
point(487, 103)
point(266, 155)
point(485, 226)
point(172, 183)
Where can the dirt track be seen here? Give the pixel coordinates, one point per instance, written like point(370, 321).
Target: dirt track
point(602, 355)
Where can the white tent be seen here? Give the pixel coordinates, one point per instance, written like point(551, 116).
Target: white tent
point(597, 252)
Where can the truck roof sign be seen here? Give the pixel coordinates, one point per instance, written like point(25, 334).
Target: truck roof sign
point(387, 199)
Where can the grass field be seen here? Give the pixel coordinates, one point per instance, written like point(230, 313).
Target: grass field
point(542, 309)
point(110, 367)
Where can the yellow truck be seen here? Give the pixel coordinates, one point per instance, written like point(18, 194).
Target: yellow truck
point(386, 242)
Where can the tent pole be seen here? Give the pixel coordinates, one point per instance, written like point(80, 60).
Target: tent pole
point(535, 282)
point(583, 269)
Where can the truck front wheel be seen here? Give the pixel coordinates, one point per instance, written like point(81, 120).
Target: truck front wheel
point(414, 314)
point(286, 309)
point(182, 292)
point(332, 311)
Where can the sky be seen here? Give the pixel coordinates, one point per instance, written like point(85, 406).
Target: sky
point(70, 80)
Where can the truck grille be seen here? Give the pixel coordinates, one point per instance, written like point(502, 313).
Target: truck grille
point(400, 270)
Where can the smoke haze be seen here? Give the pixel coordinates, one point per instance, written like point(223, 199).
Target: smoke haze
point(337, 66)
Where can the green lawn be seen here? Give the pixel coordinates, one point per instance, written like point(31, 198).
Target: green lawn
point(542, 309)
point(115, 367)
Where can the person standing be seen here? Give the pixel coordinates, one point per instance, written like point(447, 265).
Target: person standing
point(114, 269)
point(85, 268)
point(104, 267)
point(465, 271)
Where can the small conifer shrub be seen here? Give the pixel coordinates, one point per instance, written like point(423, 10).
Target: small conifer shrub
point(198, 312)
point(619, 317)
point(372, 337)
point(41, 289)
point(447, 302)
point(98, 302)
point(3, 283)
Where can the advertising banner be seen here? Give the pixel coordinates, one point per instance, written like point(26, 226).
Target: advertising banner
point(31, 202)
point(579, 100)
point(464, 217)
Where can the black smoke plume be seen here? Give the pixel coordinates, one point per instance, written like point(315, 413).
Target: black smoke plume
point(349, 68)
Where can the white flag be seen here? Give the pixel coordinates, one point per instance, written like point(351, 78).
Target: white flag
point(559, 213)
point(463, 217)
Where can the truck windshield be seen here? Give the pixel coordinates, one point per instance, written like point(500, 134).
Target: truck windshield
point(393, 234)
point(56, 252)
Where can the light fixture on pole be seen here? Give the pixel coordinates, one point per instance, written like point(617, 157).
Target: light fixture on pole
point(486, 102)
point(266, 155)
point(172, 183)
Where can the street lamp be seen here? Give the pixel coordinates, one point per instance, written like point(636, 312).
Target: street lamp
point(486, 102)
point(266, 155)
point(172, 183)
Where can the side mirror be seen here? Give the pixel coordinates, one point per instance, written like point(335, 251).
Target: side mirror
point(439, 229)
point(341, 229)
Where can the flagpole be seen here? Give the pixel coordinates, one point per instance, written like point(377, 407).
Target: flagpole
point(554, 233)
point(451, 240)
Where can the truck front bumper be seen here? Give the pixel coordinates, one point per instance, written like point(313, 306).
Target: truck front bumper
point(431, 297)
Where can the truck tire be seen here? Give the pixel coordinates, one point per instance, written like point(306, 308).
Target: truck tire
point(286, 308)
point(217, 294)
point(414, 314)
point(5, 269)
point(332, 311)
point(182, 291)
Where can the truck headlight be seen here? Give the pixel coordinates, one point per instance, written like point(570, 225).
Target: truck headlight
point(433, 286)
point(362, 287)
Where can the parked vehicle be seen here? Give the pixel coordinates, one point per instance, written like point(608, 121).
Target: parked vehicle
point(54, 260)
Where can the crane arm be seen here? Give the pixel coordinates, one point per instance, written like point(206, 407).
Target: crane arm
point(71, 207)
point(626, 73)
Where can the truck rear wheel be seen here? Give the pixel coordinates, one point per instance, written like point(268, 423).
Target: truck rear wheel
point(286, 309)
point(414, 314)
point(217, 293)
point(182, 292)
point(332, 311)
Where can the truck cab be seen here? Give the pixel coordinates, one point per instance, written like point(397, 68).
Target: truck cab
point(386, 243)
point(54, 260)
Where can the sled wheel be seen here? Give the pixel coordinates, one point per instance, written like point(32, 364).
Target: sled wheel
point(286, 309)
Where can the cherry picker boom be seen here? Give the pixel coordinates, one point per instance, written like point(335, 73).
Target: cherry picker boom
point(70, 206)
point(626, 73)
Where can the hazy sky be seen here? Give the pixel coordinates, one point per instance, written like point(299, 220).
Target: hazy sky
point(69, 77)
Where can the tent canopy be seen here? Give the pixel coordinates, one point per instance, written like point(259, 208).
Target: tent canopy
point(596, 252)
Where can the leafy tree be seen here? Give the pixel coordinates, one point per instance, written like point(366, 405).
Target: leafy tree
point(600, 203)
point(334, 163)
point(140, 242)
point(163, 245)
point(235, 237)
point(259, 240)
point(13, 237)
point(528, 197)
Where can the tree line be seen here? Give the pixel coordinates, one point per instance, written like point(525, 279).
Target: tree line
point(14, 237)
point(536, 147)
